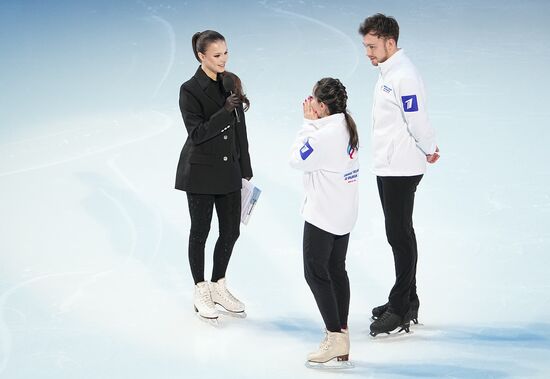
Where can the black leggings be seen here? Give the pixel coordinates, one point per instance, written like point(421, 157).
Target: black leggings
point(325, 273)
point(397, 198)
point(228, 209)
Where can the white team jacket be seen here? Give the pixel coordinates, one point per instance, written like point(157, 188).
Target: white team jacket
point(331, 173)
point(401, 133)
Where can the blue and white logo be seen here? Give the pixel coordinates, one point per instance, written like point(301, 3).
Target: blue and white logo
point(306, 150)
point(386, 89)
point(351, 177)
point(410, 103)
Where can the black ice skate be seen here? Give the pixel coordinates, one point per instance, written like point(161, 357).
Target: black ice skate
point(390, 323)
point(415, 304)
point(379, 311)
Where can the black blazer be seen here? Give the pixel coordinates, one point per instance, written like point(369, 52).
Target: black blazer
point(215, 156)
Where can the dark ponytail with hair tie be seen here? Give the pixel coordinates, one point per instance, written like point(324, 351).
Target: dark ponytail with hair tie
point(194, 44)
point(332, 93)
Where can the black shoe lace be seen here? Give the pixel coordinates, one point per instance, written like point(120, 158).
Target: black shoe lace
point(385, 316)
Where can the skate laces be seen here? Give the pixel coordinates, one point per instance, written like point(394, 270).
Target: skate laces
point(205, 297)
point(224, 292)
point(325, 344)
point(386, 315)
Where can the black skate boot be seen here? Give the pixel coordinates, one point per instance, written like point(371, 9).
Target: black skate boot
point(379, 310)
point(415, 304)
point(390, 322)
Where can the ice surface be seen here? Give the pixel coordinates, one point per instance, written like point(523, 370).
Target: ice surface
point(94, 279)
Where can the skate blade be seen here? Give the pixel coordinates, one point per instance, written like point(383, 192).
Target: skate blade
point(232, 314)
point(226, 312)
point(209, 321)
point(333, 364)
point(414, 321)
point(397, 332)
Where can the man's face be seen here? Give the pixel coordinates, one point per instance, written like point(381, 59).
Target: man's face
point(376, 48)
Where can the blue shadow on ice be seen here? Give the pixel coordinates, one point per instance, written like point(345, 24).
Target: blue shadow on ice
point(425, 370)
point(532, 335)
point(302, 328)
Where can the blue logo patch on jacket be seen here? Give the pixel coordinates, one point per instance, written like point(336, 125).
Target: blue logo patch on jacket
point(410, 103)
point(306, 150)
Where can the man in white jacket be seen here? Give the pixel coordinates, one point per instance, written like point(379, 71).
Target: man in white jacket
point(403, 141)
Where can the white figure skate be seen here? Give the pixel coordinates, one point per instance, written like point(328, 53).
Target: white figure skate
point(221, 295)
point(204, 306)
point(333, 352)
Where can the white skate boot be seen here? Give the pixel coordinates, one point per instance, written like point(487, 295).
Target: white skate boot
point(220, 295)
point(203, 303)
point(333, 352)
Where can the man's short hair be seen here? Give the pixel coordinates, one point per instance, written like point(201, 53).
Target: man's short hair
point(381, 26)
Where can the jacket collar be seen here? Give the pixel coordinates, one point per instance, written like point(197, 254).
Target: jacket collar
point(332, 120)
point(391, 61)
point(207, 85)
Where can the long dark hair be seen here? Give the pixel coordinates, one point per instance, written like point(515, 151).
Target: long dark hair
point(239, 89)
point(200, 42)
point(332, 93)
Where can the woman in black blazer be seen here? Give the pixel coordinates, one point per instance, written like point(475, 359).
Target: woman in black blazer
point(212, 163)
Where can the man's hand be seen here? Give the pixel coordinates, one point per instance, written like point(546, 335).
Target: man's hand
point(432, 158)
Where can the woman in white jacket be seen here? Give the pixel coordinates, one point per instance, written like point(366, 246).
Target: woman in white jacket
point(326, 150)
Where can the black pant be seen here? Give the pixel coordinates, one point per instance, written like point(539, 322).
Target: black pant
point(325, 273)
point(397, 198)
point(228, 209)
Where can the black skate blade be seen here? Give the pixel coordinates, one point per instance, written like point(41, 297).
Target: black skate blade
point(393, 333)
point(415, 323)
point(333, 364)
point(413, 320)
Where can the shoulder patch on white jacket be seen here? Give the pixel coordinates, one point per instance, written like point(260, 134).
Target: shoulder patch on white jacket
point(306, 150)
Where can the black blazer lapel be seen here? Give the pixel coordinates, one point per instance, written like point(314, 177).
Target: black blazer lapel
point(205, 84)
point(212, 93)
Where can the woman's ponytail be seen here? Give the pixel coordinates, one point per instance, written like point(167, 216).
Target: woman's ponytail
point(194, 42)
point(352, 129)
point(333, 94)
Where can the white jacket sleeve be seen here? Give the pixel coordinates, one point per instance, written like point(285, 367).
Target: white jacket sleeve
point(306, 152)
point(412, 100)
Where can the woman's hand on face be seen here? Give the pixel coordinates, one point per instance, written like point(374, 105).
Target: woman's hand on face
point(309, 112)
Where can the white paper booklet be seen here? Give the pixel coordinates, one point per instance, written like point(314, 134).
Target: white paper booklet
point(249, 196)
